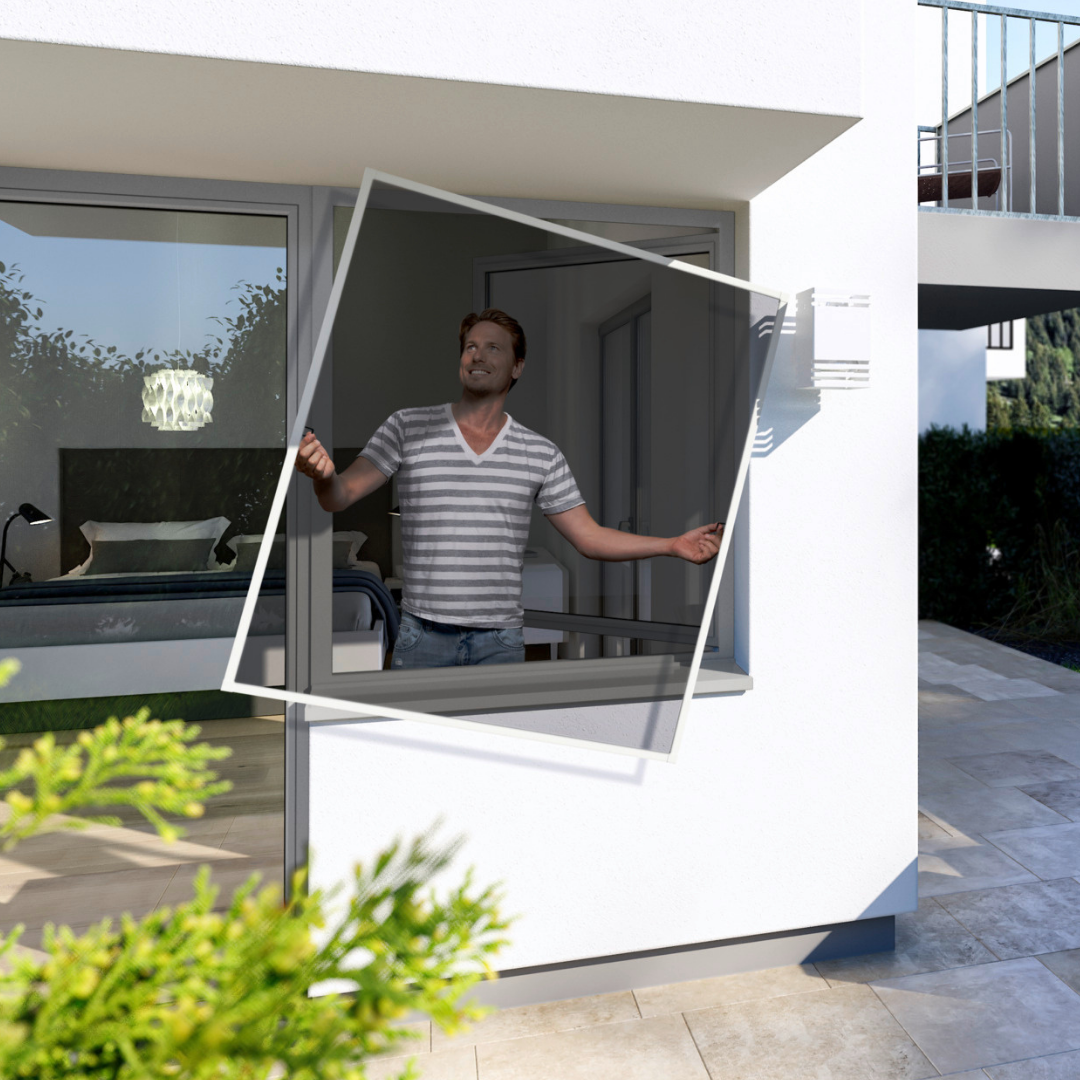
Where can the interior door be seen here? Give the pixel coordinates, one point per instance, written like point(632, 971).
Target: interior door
point(624, 427)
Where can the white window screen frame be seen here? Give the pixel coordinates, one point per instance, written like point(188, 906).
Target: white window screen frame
point(489, 694)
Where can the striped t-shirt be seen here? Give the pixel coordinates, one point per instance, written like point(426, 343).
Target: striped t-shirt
point(465, 516)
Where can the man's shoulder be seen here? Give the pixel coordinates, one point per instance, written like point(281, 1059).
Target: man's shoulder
point(533, 440)
point(420, 416)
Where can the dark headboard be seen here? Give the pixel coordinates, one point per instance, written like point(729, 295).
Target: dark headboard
point(370, 515)
point(189, 485)
point(164, 485)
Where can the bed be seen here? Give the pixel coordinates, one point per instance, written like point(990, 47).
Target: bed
point(138, 629)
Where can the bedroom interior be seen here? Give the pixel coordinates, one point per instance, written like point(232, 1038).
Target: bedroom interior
point(99, 303)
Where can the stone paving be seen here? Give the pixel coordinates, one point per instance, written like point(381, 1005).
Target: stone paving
point(984, 982)
point(985, 979)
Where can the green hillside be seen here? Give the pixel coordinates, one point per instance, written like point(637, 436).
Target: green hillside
point(1050, 395)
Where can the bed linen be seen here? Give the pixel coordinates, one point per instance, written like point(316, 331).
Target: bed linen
point(170, 607)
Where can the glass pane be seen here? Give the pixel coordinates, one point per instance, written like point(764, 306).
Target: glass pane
point(631, 407)
point(143, 411)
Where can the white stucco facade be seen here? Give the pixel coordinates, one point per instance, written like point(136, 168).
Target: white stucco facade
point(770, 55)
point(792, 805)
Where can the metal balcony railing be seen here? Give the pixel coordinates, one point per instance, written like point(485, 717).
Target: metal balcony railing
point(990, 173)
point(1016, 183)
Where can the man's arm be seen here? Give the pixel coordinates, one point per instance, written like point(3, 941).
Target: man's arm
point(334, 490)
point(599, 542)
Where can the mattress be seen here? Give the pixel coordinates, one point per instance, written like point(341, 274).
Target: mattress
point(163, 607)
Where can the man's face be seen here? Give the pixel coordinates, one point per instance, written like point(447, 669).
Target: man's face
point(488, 365)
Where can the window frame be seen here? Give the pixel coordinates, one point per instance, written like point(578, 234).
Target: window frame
point(716, 675)
point(1000, 326)
point(295, 204)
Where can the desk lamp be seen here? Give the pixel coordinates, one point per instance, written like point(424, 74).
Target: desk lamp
point(35, 517)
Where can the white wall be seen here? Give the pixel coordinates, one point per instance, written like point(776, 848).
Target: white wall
point(791, 805)
point(772, 54)
point(952, 378)
point(1009, 363)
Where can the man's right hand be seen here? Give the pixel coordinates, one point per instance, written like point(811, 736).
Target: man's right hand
point(313, 460)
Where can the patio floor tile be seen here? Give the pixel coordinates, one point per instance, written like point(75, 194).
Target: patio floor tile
point(1052, 851)
point(972, 1017)
point(987, 811)
point(961, 863)
point(660, 1046)
point(1064, 707)
point(937, 774)
point(84, 898)
point(1062, 796)
point(1059, 737)
point(1021, 920)
point(729, 989)
point(1057, 1067)
point(926, 940)
point(228, 875)
point(930, 829)
point(441, 1065)
point(543, 1019)
point(845, 1034)
point(1016, 768)
point(1066, 966)
point(256, 834)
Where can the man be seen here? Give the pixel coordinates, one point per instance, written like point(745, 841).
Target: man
point(468, 475)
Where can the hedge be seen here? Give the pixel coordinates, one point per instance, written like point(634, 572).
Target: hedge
point(999, 525)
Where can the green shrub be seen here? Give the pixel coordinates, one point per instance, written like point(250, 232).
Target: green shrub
point(190, 993)
point(999, 522)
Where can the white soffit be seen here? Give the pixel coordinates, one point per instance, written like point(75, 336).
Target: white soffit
point(109, 110)
point(999, 252)
point(361, 710)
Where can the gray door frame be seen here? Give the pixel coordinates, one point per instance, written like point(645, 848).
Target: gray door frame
point(294, 203)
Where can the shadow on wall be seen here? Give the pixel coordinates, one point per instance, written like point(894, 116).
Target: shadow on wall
point(872, 932)
point(869, 934)
point(786, 405)
point(615, 768)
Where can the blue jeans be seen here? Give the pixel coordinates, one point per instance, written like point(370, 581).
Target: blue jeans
point(422, 643)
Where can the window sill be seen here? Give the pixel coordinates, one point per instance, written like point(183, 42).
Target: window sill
point(538, 685)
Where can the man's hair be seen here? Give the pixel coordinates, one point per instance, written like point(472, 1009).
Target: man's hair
point(499, 318)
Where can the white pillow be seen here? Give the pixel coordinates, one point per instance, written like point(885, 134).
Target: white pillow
point(358, 539)
point(210, 528)
point(254, 539)
point(355, 538)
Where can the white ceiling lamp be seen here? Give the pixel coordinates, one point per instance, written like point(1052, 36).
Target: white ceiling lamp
point(177, 400)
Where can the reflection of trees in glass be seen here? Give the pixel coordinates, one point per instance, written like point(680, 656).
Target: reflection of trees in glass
point(1049, 396)
point(46, 374)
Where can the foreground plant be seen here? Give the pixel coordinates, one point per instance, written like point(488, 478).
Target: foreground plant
point(190, 993)
point(187, 992)
point(151, 765)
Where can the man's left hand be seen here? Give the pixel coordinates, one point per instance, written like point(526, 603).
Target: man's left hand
point(699, 545)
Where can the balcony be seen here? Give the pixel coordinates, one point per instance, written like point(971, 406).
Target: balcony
point(1027, 173)
point(997, 163)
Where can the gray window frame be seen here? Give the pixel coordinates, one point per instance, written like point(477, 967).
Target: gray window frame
point(491, 690)
point(295, 204)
